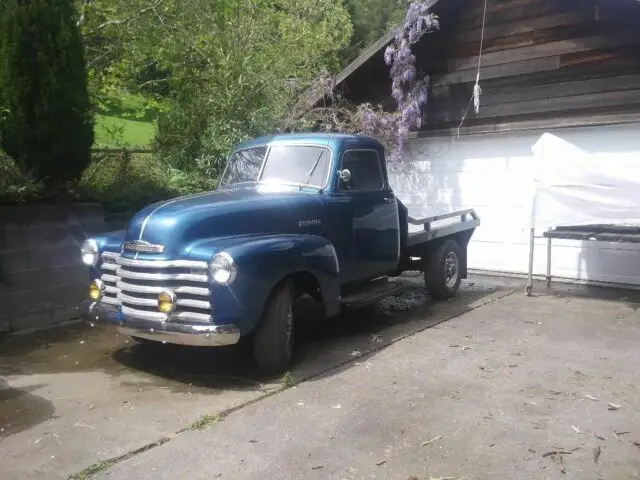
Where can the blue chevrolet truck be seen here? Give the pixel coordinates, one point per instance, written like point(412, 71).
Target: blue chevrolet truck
point(292, 215)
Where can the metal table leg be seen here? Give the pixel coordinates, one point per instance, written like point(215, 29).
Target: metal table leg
point(532, 240)
point(548, 262)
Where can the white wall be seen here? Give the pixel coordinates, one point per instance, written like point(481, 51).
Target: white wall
point(493, 174)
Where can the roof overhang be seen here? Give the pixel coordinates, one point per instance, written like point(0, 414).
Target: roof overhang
point(308, 102)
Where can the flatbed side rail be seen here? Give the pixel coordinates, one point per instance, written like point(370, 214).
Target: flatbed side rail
point(468, 219)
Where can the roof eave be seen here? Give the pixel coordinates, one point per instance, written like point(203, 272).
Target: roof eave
point(307, 103)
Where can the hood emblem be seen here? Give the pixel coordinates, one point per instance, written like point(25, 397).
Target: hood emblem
point(309, 223)
point(142, 247)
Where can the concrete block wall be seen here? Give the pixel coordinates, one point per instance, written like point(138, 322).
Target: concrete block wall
point(42, 278)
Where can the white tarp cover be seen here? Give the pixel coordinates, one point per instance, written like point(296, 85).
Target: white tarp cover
point(573, 187)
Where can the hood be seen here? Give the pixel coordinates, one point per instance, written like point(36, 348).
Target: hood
point(178, 222)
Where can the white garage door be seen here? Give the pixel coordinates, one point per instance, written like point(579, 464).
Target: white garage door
point(493, 174)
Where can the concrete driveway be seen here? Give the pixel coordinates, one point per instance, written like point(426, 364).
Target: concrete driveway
point(509, 387)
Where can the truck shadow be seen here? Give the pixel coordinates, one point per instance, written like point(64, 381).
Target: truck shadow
point(322, 343)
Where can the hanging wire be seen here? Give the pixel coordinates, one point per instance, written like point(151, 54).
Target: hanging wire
point(477, 91)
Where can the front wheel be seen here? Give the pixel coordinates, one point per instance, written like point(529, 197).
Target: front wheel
point(442, 274)
point(273, 338)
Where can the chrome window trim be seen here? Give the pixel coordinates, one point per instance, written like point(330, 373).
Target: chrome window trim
point(268, 146)
point(383, 188)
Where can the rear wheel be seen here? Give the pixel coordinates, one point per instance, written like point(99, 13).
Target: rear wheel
point(273, 338)
point(442, 275)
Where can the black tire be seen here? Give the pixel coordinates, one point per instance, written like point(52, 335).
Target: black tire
point(443, 283)
point(273, 338)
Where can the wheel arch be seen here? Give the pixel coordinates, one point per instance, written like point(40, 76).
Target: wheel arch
point(309, 261)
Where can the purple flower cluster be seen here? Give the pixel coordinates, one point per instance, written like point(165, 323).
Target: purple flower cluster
point(408, 89)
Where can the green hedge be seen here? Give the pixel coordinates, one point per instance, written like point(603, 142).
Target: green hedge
point(121, 180)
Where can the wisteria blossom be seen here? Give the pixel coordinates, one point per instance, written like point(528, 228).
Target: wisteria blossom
point(409, 89)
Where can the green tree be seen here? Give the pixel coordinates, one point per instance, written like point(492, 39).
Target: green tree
point(46, 126)
point(372, 19)
point(223, 70)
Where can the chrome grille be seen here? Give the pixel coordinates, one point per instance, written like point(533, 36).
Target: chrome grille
point(136, 284)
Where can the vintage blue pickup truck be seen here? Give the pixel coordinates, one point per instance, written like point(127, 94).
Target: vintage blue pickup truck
point(293, 214)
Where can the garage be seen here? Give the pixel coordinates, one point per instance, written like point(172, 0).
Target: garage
point(494, 174)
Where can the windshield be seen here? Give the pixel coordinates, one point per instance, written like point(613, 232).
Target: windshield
point(293, 164)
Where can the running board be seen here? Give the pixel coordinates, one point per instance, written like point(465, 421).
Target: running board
point(371, 293)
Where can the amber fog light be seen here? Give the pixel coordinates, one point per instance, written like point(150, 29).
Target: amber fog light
point(96, 289)
point(167, 302)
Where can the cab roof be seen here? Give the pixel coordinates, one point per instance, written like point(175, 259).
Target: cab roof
point(335, 141)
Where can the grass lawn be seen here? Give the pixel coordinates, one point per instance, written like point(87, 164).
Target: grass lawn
point(131, 133)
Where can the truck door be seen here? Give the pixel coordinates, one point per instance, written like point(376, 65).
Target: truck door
point(372, 212)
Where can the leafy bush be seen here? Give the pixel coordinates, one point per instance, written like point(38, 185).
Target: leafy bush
point(123, 182)
point(46, 125)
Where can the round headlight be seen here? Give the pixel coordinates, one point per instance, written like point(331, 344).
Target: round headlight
point(223, 268)
point(167, 302)
point(90, 253)
point(96, 289)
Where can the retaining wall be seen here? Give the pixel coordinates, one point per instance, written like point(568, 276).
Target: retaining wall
point(42, 278)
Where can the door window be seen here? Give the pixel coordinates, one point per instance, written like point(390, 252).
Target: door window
point(366, 173)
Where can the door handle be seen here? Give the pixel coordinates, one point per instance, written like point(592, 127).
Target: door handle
point(389, 199)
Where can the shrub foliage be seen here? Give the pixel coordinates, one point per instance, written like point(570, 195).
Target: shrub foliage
point(46, 125)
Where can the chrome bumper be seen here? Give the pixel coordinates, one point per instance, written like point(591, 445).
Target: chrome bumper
point(196, 335)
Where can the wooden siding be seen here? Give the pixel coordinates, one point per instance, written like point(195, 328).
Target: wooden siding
point(542, 59)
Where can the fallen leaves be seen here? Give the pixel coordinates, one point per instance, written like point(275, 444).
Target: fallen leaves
point(434, 439)
point(557, 455)
point(596, 454)
point(576, 429)
point(614, 406)
point(560, 451)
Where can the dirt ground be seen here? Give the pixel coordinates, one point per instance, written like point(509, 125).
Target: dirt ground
point(500, 386)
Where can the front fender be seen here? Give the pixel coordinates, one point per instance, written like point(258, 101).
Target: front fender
point(262, 262)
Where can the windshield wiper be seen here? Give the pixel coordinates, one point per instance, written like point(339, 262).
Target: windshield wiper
point(307, 177)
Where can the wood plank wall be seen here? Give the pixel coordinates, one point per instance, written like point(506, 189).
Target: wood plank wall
point(541, 59)
point(577, 60)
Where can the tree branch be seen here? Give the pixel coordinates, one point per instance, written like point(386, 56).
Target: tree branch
point(152, 82)
point(122, 21)
point(83, 10)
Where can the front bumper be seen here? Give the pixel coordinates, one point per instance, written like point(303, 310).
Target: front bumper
point(196, 335)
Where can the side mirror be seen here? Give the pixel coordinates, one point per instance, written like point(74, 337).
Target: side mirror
point(344, 176)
